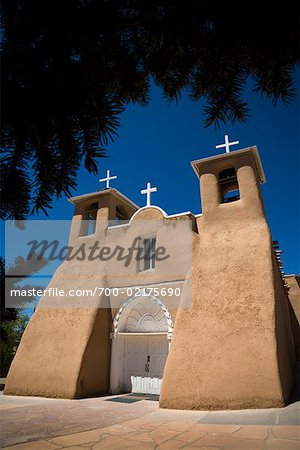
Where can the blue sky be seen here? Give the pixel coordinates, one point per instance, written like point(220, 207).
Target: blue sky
point(156, 143)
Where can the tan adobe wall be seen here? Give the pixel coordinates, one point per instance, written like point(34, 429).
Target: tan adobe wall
point(233, 348)
point(65, 352)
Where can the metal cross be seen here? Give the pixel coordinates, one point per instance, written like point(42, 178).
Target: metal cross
point(107, 179)
point(149, 191)
point(227, 144)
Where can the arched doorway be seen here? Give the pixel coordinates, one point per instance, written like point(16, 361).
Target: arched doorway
point(142, 329)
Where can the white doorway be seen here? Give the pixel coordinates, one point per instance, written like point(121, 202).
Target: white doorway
point(145, 357)
point(140, 346)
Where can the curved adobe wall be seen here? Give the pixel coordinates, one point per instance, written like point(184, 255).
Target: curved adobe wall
point(233, 348)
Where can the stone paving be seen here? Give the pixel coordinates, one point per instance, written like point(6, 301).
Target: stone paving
point(30, 423)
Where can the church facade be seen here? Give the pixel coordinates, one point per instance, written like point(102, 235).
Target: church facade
point(204, 317)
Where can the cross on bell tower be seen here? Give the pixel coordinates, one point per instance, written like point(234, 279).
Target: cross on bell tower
point(107, 179)
point(227, 144)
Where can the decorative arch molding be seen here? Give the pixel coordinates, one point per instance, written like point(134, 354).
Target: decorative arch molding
point(127, 302)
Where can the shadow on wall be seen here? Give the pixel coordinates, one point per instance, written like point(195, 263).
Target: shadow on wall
point(295, 396)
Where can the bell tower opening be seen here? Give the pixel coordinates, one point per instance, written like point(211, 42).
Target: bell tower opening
point(90, 216)
point(121, 214)
point(229, 186)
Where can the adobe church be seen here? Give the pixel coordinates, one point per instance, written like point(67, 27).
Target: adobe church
point(231, 340)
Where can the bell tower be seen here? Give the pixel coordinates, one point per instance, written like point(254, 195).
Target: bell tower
point(95, 211)
point(233, 347)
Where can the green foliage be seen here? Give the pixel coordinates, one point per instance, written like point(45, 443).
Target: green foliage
point(13, 322)
point(13, 331)
point(70, 68)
